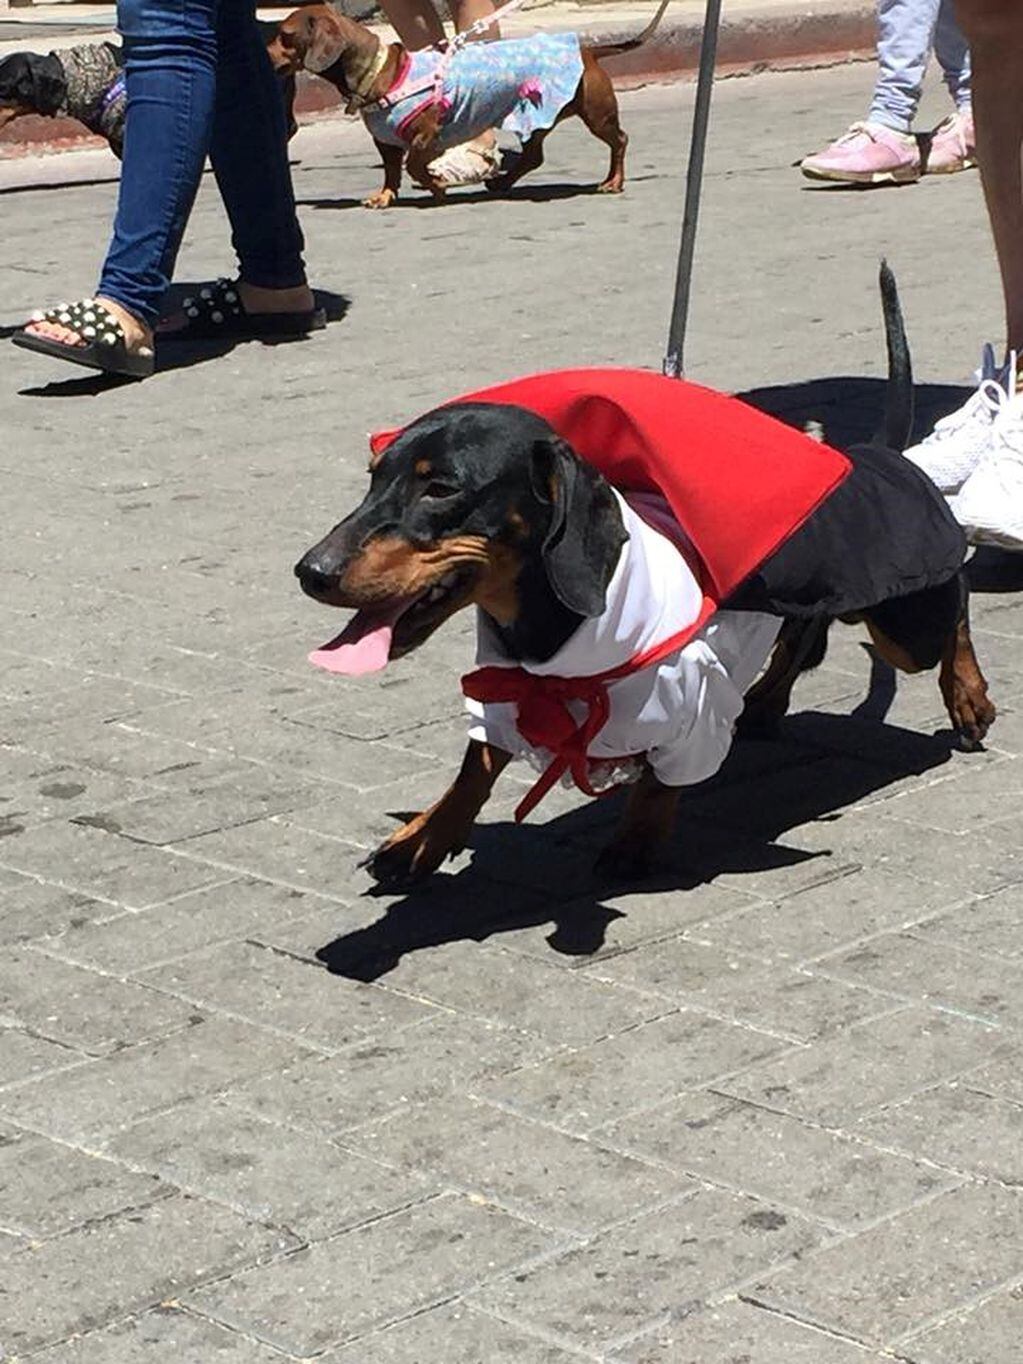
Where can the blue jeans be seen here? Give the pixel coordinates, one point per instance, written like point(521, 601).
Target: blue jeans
point(907, 30)
point(199, 81)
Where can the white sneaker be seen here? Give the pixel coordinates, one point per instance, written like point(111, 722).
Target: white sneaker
point(989, 506)
point(958, 443)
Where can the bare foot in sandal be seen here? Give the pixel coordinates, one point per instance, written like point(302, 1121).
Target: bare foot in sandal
point(137, 336)
point(95, 332)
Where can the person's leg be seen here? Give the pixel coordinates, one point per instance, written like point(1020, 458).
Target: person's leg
point(994, 31)
point(905, 32)
point(953, 54)
point(465, 13)
point(952, 143)
point(989, 505)
point(170, 64)
point(249, 154)
point(416, 22)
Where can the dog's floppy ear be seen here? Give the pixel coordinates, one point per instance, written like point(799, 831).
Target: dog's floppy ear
point(31, 83)
point(585, 535)
point(324, 41)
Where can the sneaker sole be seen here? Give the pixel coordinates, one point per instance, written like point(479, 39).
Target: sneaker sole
point(968, 164)
point(892, 177)
point(989, 535)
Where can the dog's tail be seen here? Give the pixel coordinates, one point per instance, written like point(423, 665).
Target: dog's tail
point(898, 406)
point(630, 44)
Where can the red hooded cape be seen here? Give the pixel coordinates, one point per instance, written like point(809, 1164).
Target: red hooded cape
point(739, 482)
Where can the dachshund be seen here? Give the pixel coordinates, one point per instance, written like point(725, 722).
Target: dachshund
point(485, 504)
point(526, 85)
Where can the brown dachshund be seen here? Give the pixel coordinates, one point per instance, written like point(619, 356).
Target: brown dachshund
point(403, 114)
point(484, 504)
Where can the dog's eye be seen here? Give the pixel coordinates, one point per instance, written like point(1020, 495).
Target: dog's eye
point(440, 490)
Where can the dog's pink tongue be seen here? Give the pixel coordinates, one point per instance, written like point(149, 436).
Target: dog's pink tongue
point(363, 646)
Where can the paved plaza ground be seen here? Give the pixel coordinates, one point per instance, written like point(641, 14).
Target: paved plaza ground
point(767, 1108)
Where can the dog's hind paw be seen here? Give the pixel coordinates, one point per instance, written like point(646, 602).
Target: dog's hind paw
point(974, 716)
point(622, 861)
point(381, 198)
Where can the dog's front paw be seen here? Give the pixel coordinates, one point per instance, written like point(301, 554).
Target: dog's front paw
point(414, 852)
point(381, 198)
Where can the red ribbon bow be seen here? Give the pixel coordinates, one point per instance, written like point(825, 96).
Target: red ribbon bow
point(545, 721)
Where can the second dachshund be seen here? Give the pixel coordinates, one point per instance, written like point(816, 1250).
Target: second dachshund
point(422, 103)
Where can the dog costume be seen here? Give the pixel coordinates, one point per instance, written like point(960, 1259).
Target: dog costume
point(85, 83)
point(739, 521)
point(518, 84)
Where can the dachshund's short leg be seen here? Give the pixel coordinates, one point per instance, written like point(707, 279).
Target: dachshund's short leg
point(931, 628)
point(646, 826)
point(423, 843)
point(801, 645)
point(530, 159)
point(423, 149)
point(597, 106)
point(392, 158)
point(963, 687)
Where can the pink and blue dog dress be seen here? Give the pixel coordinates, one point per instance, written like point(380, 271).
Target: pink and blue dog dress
point(519, 84)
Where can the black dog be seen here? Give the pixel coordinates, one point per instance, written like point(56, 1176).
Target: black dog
point(87, 83)
point(484, 503)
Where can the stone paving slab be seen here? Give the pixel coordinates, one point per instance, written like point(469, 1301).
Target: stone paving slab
point(893, 1279)
point(368, 1081)
point(759, 1336)
point(163, 1336)
point(766, 1104)
point(47, 1189)
point(822, 1174)
point(625, 1280)
point(343, 1288)
point(578, 1186)
point(100, 1097)
point(267, 1173)
point(583, 1090)
point(458, 1335)
point(868, 1066)
point(51, 1293)
point(988, 1331)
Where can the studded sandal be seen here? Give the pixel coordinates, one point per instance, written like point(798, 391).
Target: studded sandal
point(217, 311)
point(103, 343)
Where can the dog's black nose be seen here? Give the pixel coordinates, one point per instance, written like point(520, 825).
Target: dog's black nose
point(314, 578)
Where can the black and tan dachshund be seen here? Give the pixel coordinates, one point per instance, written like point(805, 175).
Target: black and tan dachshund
point(483, 504)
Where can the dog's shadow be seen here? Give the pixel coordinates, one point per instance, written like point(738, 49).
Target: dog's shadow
point(420, 200)
point(733, 824)
point(850, 408)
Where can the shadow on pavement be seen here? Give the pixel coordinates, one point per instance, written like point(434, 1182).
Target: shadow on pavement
point(851, 409)
point(817, 766)
point(525, 193)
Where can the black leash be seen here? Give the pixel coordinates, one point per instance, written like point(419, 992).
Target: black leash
point(673, 361)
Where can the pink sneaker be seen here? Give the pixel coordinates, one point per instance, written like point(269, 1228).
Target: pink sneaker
point(952, 145)
point(868, 154)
